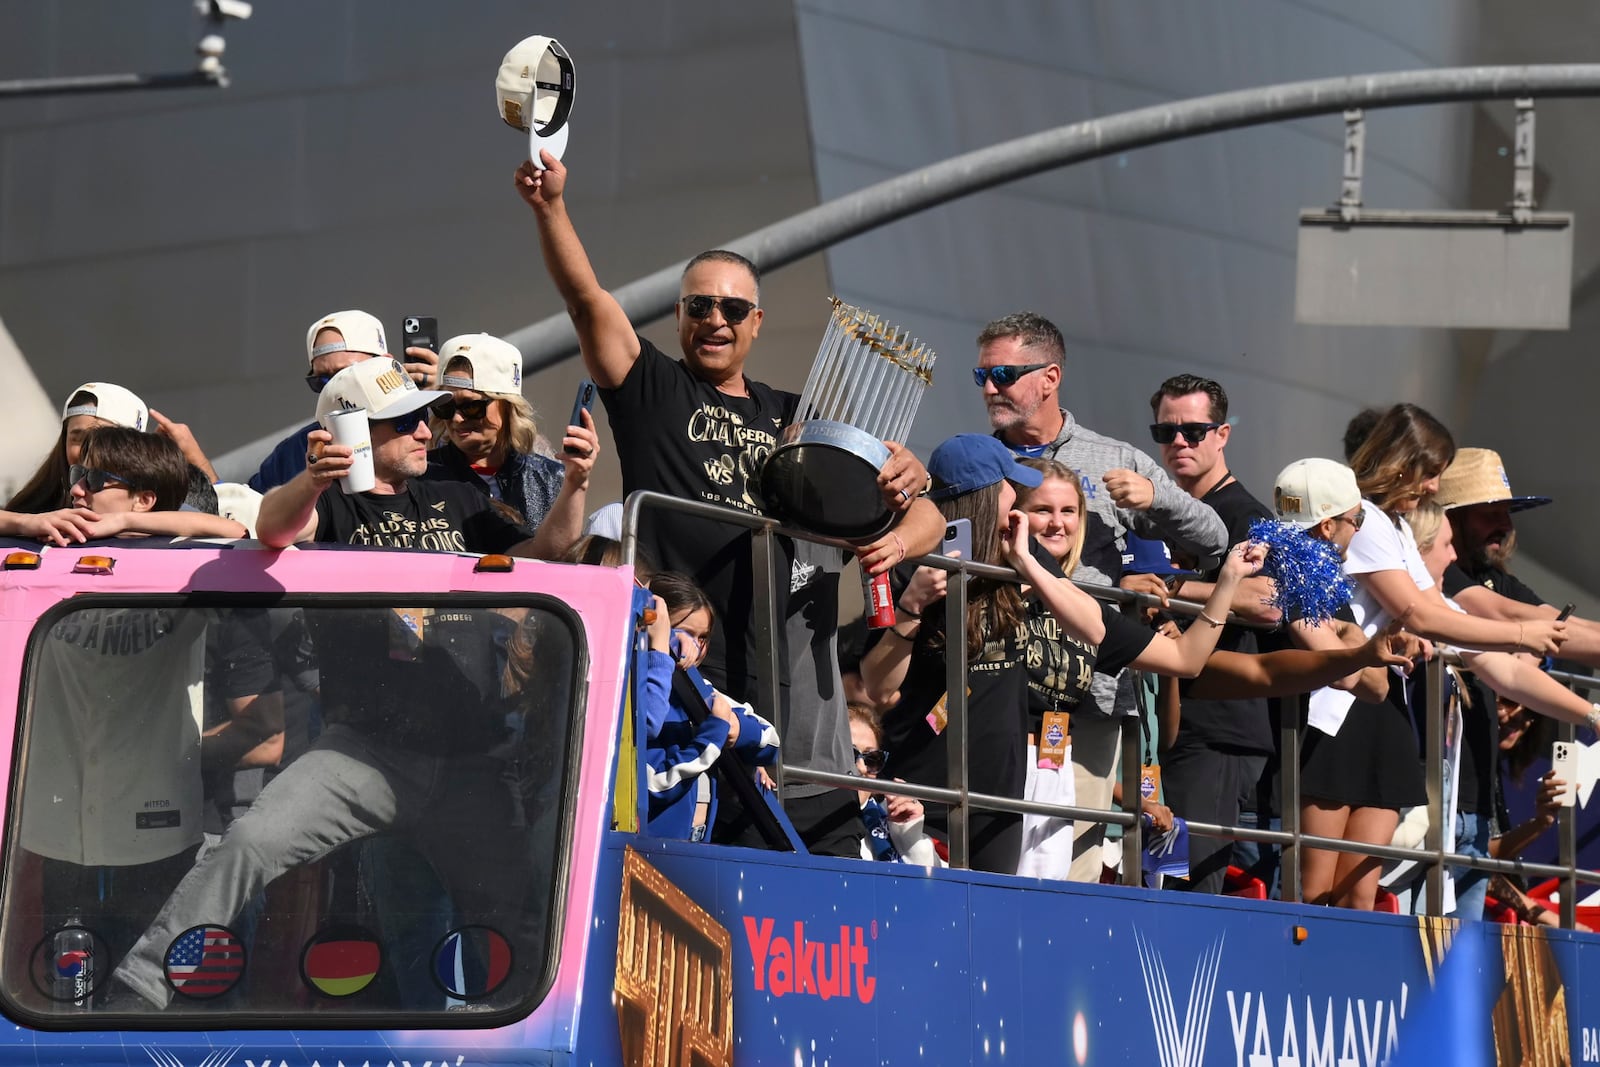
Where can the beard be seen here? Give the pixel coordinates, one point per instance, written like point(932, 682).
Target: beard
point(1484, 556)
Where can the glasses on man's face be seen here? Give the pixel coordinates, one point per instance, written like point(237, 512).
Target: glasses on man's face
point(318, 381)
point(1192, 432)
point(405, 425)
point(873, 759)
point(1005, 373)
point(471, 410)
point(1355, 523)
point(93, 480)
point(735, 309)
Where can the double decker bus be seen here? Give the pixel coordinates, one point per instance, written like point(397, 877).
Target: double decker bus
point(363, 807)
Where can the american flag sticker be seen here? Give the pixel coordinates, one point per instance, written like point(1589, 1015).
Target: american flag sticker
point(205, 962)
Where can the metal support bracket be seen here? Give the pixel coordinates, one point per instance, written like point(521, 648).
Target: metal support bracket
point(1355, 151)
point(1522, 203)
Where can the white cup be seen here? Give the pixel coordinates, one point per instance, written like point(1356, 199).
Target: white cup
point(350, 428)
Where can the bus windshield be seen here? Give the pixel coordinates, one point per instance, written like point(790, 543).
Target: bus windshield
point(332, 814)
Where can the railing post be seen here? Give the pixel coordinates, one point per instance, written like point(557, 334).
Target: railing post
point(1289, 798)
point(1567, 846)
point(1131, 732)
point(1433, 760)
point(763, 558)
point(955, 732)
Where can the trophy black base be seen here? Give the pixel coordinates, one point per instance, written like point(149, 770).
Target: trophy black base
point(823, 477)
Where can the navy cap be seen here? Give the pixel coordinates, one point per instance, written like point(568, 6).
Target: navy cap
point(1144, 556)
point(971, 461)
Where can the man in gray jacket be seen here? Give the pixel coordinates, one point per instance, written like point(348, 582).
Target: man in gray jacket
point(1020, 365)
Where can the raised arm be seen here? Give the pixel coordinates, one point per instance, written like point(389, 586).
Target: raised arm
point(1153, 506)
point(289, 513)
point(1078, 613)
point(563, 525)
point(1185, 656)
point(605, 336)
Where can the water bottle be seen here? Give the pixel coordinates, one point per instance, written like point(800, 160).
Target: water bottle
point(72, 957)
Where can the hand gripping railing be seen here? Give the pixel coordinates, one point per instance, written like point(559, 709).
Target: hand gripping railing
point(1433, 858)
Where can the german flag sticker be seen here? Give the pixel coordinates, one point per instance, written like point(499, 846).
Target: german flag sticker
point(341, 961)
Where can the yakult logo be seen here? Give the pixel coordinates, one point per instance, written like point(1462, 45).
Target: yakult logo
point(805, 967)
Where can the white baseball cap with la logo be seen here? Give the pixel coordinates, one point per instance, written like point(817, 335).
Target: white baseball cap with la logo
point(493, 365)
point(534, 91)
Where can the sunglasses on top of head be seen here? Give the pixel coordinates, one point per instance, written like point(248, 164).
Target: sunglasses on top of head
point(1005, 373)
point(471, 410)
point(1193, 432)
point(735, 309)
point(94, 480)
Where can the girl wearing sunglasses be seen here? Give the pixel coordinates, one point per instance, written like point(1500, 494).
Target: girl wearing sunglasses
point(682, 743)
point(489, 440)
point(893, 823)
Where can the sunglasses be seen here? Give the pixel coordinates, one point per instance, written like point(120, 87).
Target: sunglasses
point(404, 425)
point(471, 410)
point(872, 759)
point(1005, 373)
point(734, 309)
point(1361, 517)
point(318, 381)
point(92, 479)
point(1193, 432)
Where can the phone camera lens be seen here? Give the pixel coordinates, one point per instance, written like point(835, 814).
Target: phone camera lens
point(949, 533)
point(412, 325)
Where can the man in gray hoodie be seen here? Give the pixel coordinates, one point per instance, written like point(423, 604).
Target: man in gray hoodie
point(1020, 366)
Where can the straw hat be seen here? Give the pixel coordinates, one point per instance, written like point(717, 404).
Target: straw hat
point(1477, 476)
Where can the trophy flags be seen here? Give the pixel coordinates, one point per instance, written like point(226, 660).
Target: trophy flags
point(534, 91)
point(864, 389)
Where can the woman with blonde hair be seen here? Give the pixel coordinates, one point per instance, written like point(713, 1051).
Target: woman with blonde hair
point(490, 439)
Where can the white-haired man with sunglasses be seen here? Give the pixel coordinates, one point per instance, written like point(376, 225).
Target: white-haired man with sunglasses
point(1020, 366)
point(700, 428)
point(402, 510)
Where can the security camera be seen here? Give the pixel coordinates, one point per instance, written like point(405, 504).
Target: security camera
point(211, 46)
point(218, 10)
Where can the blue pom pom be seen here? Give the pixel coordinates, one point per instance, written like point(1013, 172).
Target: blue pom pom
point(1307, 573)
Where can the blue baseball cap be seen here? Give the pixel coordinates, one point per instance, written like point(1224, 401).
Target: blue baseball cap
point(1144, 556)
point(971, 461)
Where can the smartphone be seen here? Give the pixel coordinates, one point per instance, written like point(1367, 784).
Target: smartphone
point(1564, 761)
point(957, 538)
point(418, 331)
point(584, 401)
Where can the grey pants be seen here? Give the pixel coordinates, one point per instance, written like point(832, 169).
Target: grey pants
point(459, 811)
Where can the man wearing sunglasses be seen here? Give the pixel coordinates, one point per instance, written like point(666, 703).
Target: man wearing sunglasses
point(700, 428)
point(1213, 767)
point(401, 510)
point(1020, 367)
point(333, 343)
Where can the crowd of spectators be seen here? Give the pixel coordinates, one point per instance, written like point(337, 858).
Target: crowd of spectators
point(1423, 529)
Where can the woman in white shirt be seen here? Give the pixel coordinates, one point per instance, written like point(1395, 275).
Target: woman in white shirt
point(1397, 466)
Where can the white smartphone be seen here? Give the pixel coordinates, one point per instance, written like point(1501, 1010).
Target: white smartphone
point(1564, 761)
point(957, 538)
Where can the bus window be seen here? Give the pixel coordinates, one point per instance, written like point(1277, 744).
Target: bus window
point(338, 815)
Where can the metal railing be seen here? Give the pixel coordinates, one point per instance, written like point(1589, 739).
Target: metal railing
point(1432, 858)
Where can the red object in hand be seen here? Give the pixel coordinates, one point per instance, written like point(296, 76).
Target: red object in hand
point(879, 600)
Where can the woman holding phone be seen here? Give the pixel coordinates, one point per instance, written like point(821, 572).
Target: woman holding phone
point(489, 438)
point(977, 478)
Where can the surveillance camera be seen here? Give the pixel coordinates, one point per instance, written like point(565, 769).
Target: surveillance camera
point(218, 10)
point(211, 46)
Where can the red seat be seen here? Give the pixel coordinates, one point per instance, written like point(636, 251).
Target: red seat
point(1239, 884)
point(1386, 902)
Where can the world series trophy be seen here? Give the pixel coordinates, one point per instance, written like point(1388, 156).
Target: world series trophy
point(864, 389)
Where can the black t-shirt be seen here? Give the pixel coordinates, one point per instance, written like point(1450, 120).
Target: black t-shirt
point(432, 516)
point(679, 435)
point(1457, 578)
point(1237, 724)
point(424, 679)
point(1480, 747)
point(1062, 668)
